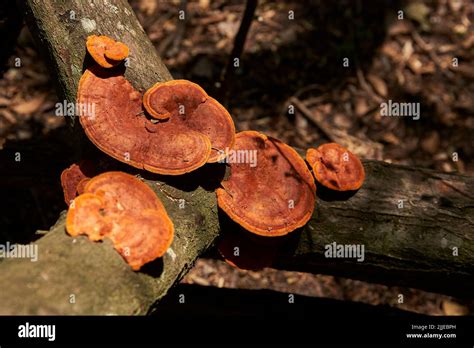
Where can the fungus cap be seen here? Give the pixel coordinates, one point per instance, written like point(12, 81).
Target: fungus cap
point(124, 209)
point(81, 185)
point(335, 167)
point(185, 104)
point(73, 176)
point(139, 240)
point(106, 51)
point(124, 192)
point(272, 196)
point(85, 217)
point(113, 120)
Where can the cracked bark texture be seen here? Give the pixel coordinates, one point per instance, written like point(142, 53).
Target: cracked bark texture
point(411, 246)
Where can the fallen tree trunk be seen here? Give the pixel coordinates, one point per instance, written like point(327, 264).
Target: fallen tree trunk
point(416, 227)
point(76, 276)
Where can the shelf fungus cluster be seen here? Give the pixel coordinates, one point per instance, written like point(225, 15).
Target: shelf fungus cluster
point(122, 208)
point(275, 194)
point(335, 167)
point(173, 129)
point(185, 130)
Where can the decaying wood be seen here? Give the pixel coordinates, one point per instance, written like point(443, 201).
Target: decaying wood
point(93, 274)
point(410, 244)
point(416, 226)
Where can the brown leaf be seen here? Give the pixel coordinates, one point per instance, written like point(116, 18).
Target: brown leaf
point(418, 67)
point(407, 50)
point(4, 101)
point(379, 85)
point(453, 308)
point(29, 106)
point(399, 27)
point(8, 115)
point(204, 4)
point(455, 5)
point(147, 6)
point(391, 138)
point(469, 41)
point(391, 50)
point(431, 143)
point(361, 107)
point(464, 69)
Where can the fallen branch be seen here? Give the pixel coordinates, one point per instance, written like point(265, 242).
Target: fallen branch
point(75, 276)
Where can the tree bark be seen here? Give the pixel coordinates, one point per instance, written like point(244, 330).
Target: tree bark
point(426, 243)
point(93, 275)
point(76, 276)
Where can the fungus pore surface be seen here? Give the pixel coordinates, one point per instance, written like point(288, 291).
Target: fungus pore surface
point(114, 121)
point(270, 191)
point(186, 105)
point(335, 167)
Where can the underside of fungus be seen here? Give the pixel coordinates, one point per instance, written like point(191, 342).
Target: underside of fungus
point(247, 251)
point(272, 195)
point(106, 51)
point(185, 104)
point(335, 167)
point(120, 207)
point(115, 123)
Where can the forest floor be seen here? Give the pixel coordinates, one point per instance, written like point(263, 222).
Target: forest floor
point(427, 58)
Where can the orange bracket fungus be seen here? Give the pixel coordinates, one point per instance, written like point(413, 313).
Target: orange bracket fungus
point(118, 127)
point(270, 191)
point(73, 179)
point(106, 51)
point(186, 105)
point(120, 207)
point(335, 167)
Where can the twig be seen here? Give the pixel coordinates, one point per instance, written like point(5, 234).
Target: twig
point(428, 48)
point(308, 114)
point(238, 48)
point(178, 38)
point(365, 86)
